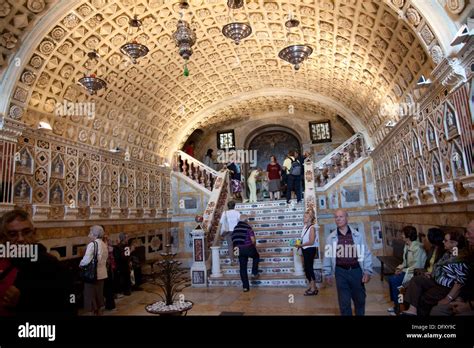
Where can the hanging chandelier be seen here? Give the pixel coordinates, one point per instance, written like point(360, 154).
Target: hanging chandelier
point(90, 81)
point(134, 49)
point(295, 54)
point(236, 31)
point(298, 53)
point(184, 37)
point(235, 4)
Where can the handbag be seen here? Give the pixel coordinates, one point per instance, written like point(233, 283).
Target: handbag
point(89, 272)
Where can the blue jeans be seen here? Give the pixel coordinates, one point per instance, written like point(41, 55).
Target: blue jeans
point(349, 286)
point(294, 184)
point(244, 254)
point(394, 282)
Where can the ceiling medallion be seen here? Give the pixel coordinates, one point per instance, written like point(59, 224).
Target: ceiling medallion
point(184, 37)
point(236, 31)
point(91, 82)
point(297, 53)
point(134, 49)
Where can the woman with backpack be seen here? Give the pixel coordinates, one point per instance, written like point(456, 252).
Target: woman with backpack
point(294, 170)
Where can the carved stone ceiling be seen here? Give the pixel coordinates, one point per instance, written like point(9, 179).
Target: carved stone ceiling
point(365, 54)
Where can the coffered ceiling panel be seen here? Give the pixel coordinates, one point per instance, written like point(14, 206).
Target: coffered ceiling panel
point(366, 53)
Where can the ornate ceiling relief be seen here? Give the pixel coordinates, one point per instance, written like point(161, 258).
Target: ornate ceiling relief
point(366, 53)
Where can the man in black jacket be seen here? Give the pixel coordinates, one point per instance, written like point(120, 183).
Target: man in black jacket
point(42, 286)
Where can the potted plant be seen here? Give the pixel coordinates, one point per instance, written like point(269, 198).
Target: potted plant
point(171, 279)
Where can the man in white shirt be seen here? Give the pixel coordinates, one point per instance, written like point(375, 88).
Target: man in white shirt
point(229, 220)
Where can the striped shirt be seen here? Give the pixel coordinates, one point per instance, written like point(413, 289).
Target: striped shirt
point(449, 270)
point(241, 235)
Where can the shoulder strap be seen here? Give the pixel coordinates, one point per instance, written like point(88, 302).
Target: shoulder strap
point(304, 234)
point(96, 250)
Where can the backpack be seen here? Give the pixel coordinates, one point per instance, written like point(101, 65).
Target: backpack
point(295, 168)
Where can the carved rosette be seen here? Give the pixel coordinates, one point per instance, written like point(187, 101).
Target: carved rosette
point(455, 6)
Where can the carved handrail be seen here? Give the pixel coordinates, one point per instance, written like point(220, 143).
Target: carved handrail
point(339, 149)
point(338, 160)
point(215, 207)
point(195, 170)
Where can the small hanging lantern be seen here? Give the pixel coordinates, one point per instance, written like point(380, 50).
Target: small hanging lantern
point(298, 53)
point(184, 37)
point(134, 49)
point(90, 81)
point(236, 31)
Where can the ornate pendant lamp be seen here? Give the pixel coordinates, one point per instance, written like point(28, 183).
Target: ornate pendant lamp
point(184, 37)
point(134, 49)
point(233, 4)
point(236, 31)
point(90, 81)
point(298, 53)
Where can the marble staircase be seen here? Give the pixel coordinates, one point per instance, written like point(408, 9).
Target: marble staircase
point(275, 223)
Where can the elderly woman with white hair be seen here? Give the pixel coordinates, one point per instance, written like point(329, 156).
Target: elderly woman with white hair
point(94, 292)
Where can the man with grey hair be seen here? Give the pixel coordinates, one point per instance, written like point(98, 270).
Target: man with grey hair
point(348, 258)
point(243, 238)
point(33, 286)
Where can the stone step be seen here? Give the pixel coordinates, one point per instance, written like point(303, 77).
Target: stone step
point(267, 259)
point(272, 251)
point(268, 204)
point(267, 249)
point(295, 233)
point(275, 218)
point(264, 268)
point(278, 225)
point(275, 239)
point(273, 211)
point(265, 280)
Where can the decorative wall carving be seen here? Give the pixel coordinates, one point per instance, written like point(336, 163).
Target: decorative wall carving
point(70, 179)
point(445, 160)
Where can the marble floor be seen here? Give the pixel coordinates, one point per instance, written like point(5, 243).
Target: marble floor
point(258, 301)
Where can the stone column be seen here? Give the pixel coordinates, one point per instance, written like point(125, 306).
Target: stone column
point(216, 262)
point(199, 269)
point(10, 131)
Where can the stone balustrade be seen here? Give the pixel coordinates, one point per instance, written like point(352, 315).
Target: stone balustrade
point(195, 170)
point(337, 161)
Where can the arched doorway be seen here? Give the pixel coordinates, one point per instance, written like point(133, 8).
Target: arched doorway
point(270, 141)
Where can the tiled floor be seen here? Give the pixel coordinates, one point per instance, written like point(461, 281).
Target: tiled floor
point(259, 301)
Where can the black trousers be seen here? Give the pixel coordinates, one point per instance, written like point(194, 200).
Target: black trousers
point(244, 254)
point(308, 259)
point(294, 184)
point(424, 293)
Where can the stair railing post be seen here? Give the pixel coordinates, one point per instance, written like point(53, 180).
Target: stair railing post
point(216, 262)
point(199, 269)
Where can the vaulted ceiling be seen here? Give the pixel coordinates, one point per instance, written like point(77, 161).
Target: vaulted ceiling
point(366, 53)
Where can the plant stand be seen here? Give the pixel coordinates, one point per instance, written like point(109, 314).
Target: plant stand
point(177, 308)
